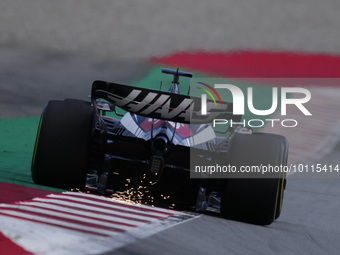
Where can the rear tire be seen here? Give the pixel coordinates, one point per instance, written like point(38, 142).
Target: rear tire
point(63, 144)
point(255, 198)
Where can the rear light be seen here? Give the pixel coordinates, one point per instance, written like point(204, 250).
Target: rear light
point(156, 164)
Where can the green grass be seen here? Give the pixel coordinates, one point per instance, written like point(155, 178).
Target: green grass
point(17, 138)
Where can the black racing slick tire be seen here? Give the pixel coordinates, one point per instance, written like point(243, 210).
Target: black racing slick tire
point(255, 198)
point(283, 180)
point(63, 144)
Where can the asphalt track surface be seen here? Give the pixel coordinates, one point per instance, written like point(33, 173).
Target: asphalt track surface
point(55, 50)
point(309, 224)
point(30, 77)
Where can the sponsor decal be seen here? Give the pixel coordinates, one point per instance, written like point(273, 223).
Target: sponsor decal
point(166, 106)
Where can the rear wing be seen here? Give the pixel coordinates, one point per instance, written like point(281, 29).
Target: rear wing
point(160, 104)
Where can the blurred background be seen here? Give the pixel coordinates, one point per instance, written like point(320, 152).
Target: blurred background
point(56, 49)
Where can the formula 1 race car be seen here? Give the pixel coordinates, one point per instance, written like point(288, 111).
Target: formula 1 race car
point(147, 156)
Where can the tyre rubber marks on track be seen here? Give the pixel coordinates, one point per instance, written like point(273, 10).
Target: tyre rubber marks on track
point(81, 223)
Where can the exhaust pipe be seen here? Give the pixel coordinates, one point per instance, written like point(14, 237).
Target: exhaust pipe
point(160, 143)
